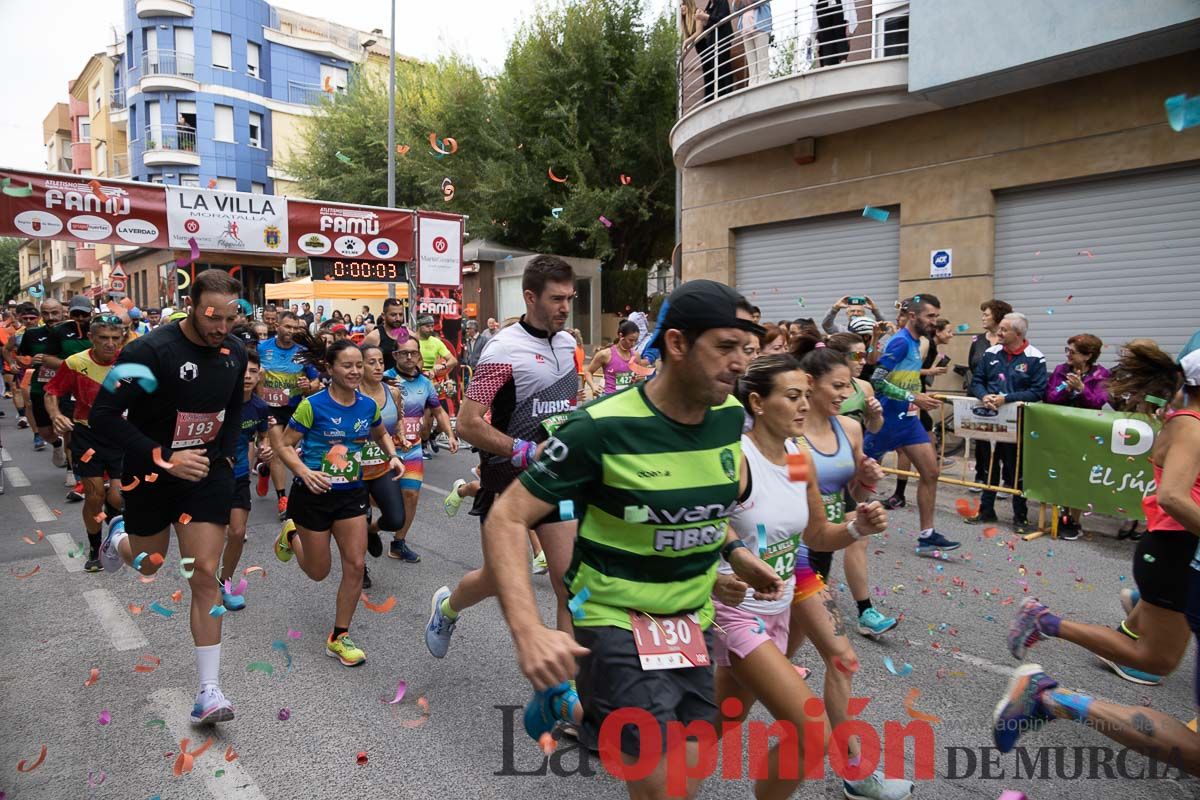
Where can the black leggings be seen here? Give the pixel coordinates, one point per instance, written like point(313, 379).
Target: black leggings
point(388, 496)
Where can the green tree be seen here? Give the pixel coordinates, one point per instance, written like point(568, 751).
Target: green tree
point(10, 271)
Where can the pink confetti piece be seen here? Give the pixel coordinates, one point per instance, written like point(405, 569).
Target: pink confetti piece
point(605, 221)
point(105, 717)
point(193, 257)
point(401, 688)
point(293, 634)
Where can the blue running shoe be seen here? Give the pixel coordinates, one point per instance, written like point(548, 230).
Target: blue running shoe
point(1021, 708)
point(233, 602)
point(547, 709)
point(934, 541)
point(873, 623)
point(1025, 630)
point(440, 627)
point(110, 556)
point(1133, 675)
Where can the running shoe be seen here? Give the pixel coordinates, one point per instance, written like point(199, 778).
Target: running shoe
point(58, 456)
point(873, 623)
point(22, 423)
point(982, 519)
point(1025, 630)
point(1021, 708)
point(110, 555)
point(39, 443)
point(264, 480)
point(433, 445)
point(366, 578)
point(934, 541)
point(440, 627)
point(344, 650)
point(1129, 599)
point(233, 602)
point(374, 543)
point(877, 787)
point(282, 507)
point(93, 564)
point(895, 501)
point(974, 489)
point(547, 709)
point(283, 548)
point(69, 479)
point(453, 501)
point(211, 706)
point(1132, 675)
point(76, 493)
point(1068, 529)
point(539, 565)
point(426, 455)
point(399, 549)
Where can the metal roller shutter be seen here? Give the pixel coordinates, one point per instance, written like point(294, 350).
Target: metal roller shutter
point(819, 260)
point(1141, 279)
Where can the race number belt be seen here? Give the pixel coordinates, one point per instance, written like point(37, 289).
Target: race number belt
point(669, 642)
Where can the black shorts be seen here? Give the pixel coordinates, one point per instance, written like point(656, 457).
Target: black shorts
point(37, 405)
point(611, 677)
point(150, 508)
point(104, 459)
point(318, 512)
point(280, 415)
point(821, 563)
point(1193, 618)
point(1161, 568)
point(241, 492)
point(486, 498)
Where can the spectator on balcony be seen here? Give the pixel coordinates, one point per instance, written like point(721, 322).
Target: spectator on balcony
point(714, 43)
point(835, 20)
point(755, 25)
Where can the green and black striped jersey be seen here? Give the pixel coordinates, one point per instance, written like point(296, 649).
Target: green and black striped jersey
point(653, 498)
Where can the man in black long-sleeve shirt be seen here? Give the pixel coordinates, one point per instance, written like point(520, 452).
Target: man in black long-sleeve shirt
point(178, 444)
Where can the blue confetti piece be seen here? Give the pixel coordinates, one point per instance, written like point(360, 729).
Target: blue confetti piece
point(158, 608)
point(877, 214)
point(244, 306)
point(1182, 111)
point(575, 605)
point(1033, 434)
point(1050, 311)
point(556, 212)
point(217, 611)
point(762, 540)
point(903, 672)
point(963, 328)
point(762, 626)
point(137, 562)
point(1052, 473)
point(137, 372)
point(566, 509)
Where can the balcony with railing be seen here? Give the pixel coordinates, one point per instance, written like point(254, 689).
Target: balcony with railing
point(169, 145)
point(781, 70)
point(164, 8)
point(313, 35)
point(168, 71)
point(118, 165)
point(118, 111)
point(308, 94)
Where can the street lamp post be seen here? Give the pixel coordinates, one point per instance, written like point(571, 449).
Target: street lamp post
point(391, 145)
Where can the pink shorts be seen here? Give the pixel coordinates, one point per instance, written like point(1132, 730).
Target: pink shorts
point(739, 632)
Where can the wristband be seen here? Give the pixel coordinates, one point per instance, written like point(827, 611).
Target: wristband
point(852, 529)
point(728, 549)
point(522, 453)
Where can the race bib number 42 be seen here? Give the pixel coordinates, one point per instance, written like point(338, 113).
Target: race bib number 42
point(196, 428)
point(782, 556)
point(669, 642)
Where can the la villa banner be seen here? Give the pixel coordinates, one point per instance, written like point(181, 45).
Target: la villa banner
point(39, 205)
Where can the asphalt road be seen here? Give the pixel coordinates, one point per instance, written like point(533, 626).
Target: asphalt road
point(61, 622)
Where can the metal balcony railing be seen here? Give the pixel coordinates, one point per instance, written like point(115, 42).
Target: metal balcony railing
point(309, 94)
point(304, 27)
point(168, 62)
point(118, 165)
point(748, 48)
point(116, 99)
point(171, 137)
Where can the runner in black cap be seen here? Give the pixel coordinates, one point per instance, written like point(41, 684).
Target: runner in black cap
point(179, 445)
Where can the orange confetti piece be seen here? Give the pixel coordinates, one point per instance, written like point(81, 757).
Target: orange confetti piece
point(625, 179)
point(187, 760)
point(41, 757)
point(797, 466)
point(248, 570)
point(134, 609)
point(93, 676)
point(449, 143)
point(913, 694)
point(129, 487)
point(97, 189)
point(212, 183)
point(177, 595)
point(402, 149)
point(151, 664)
point(965, 508)
point(156, 559)
point(990, 533)
point(208, 312)
point(547, 743)
point(230, 755)
point(156, 454)
point(553, 177)
point(16, 574)
point(379, 608)
point(151, 478)
point(185, 518)
point(27, 540)
point(224, 351)
point(101, 517)
point(423, 704)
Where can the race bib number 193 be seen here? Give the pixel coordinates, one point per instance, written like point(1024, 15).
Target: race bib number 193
point(196, 428)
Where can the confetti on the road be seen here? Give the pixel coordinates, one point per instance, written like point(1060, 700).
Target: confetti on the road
point(21, 765)
point(27, 540)
point(965, 508)
point(186, 760)
point(293, 634)
point(93, 676)
point(547, 743)
point(260, 666)
point(248, 570)
point(134, 609)
point(877, 214)
point(990, 533)
point(151, 664)
point(177, 595)
point(903, 672)
point(361, 758)
point(22, 575)
point(423, 704)
point(284, 714)
point(187, 565)
point(156, 723)
point(913, 694)
point(379, 608)
point(105, 717)
point(401, 688)
point(159, 608)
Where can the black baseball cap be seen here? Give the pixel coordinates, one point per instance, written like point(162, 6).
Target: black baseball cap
point(702, 305)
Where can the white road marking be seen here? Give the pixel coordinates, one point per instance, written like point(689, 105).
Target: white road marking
point(63, 544)
point(115, 620)
point(38, 508)
point(4, 456)
point(982, 663)
point(173, 706)
point(16, 477)
point(438, 489)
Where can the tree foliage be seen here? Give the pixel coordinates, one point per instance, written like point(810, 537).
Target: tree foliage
point(586, 90)
point(10, 271)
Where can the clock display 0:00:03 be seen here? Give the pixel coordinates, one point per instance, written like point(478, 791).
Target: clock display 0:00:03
point(370, 270)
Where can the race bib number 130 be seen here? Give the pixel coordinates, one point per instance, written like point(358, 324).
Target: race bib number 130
point(669, 642)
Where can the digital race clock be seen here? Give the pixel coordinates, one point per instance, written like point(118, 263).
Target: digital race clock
point(352, 269)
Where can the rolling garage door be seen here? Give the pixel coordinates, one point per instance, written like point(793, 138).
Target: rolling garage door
point(819, 260)
point(1125, 250)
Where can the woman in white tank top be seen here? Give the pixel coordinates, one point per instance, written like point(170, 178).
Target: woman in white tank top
point(777, 506)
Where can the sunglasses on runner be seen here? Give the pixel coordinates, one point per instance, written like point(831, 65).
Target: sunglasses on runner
point(108, 319)
point(856, 356)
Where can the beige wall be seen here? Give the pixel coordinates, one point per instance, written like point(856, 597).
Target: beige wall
point(942, 168)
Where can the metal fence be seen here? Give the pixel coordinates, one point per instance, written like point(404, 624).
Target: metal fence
point(116, 99)
point(309, 94)
point(771, 40)
point(168, 62)
point(170, 137)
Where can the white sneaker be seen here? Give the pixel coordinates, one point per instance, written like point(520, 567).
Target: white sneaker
point(211, 706)
point(58, 457)
point(110, 555)
point(69, 481)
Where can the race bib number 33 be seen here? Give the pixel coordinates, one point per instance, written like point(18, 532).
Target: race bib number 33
point(669, 642)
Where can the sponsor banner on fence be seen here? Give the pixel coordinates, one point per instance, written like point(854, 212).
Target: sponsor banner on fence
point(1094, 460)
point(973, 420)
point(227, 221)
point(440, 252)
point(333, 231)
point(41, 206)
